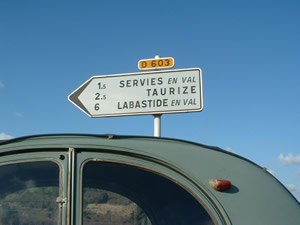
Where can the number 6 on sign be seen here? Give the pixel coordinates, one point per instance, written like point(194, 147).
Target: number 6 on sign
point(97, 106)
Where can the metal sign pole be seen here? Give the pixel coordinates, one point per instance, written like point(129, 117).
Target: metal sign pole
point(157, 118)
point(157, 125)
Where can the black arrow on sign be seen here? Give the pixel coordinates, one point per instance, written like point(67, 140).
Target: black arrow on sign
point(75, 100)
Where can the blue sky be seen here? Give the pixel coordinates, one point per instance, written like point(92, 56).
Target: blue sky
point(249, 52)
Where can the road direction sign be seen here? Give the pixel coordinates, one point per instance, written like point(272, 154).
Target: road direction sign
point(143, 93)
point(156, 63)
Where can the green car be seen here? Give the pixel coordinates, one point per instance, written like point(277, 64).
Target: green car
point(131, 180)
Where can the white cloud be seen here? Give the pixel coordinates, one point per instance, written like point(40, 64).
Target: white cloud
point(228, 149)
point(4, 136)
point(294, 190)
point(271, 172)
point(289, 159)
point(1, 85)
point(18, 114)
point(291, 187)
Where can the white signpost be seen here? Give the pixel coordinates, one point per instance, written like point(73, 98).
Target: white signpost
point(143, 93)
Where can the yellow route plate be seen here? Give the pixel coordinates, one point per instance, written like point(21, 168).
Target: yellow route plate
point(160, 63)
